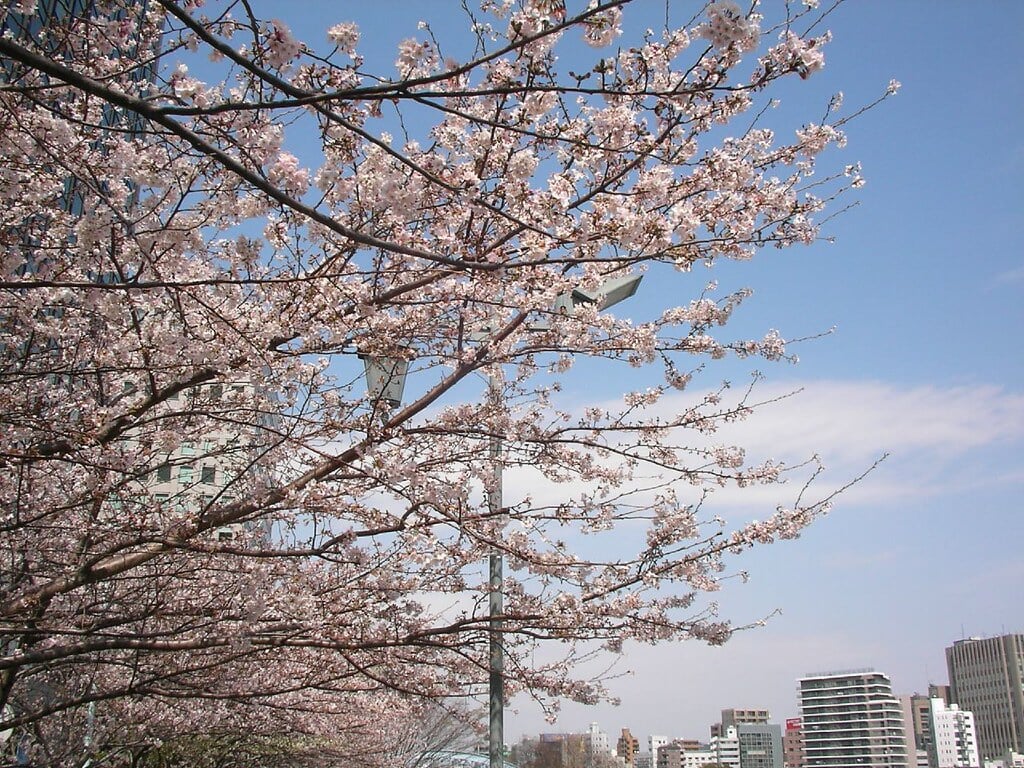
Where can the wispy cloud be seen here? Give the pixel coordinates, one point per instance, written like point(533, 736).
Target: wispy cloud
point(938, 439)
point(853, 421)
point(1011, 276)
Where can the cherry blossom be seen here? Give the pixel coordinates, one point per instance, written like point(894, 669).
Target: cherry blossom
point(345, 36)
point(201, 496)
point(728, 25)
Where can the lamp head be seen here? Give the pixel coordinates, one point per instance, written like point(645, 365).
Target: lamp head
point(607, 294)
point(385, 378)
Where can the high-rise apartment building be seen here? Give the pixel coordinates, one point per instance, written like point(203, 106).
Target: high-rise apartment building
point(953, 743)
point(53, 27)
point(216, 465)
point(986, 676)
point(851, 720)
point(221, 464)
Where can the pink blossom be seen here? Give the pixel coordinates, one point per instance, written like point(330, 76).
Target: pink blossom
point(345, 36)
point(415, 58)
point(281, 47)
point(287, 174)
point(794, 53)
point(602, 28)
point(728, 25)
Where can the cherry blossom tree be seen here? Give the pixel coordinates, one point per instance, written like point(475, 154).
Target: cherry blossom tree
point(205, 221)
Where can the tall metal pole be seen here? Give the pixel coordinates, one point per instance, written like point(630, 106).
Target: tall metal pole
point(610, 292)
point(496, 725)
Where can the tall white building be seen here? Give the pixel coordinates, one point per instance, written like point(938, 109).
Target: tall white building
point(596, 741)
point(851, 720)
point(219, 463)
point(954, 739)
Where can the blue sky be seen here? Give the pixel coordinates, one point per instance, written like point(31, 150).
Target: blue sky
point(925, 288)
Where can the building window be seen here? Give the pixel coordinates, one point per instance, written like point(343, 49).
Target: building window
point(163, 473)
point(209, 475)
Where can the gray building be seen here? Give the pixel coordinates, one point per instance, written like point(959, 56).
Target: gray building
point(760, 745)
point(986, 676)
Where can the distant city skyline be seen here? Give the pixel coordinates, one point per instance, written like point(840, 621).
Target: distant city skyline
point(615, 718)
point(704, 730)
point(853, 718)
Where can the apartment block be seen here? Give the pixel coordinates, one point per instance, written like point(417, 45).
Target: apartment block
point(627, 747)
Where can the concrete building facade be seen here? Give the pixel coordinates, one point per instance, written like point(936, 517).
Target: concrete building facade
point(726, 747)
point(986, 677)
point(917, 718)
point(739, 717)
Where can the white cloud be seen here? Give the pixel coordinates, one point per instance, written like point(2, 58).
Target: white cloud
point(938, 439)
point(849, 422)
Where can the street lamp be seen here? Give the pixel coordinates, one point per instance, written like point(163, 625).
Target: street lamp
point(385, 378)
point(607, 294)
